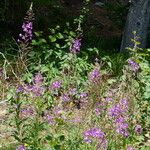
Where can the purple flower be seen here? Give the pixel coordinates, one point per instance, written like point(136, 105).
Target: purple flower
point(114, 111)
point(38, 79)
point(94, 75)
point(124, 105)
point(50, 119)
point(83, 95)
point(73, 91)
point(20, 88)
point(57, 111)
point(35, 90)
point(138, 129)
point(120, 119)
point(118, 113)
point(55, 85)
point(119, 109)
point(95, 134)
point(38, 91)
point(26, 112)
point(20, 147)
point(65, 98)
point(130, 148)
point(75, 46)
point(97, 111)
point(26, 35)
point(108, 99)
point(122, 128)
point(133, 65)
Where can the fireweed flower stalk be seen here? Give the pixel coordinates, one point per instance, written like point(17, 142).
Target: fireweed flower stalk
point(75, 46)
point(24, 40)
point(95, 134)
point(26, 36)
point(118, 113)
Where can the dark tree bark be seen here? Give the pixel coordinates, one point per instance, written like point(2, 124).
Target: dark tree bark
point(137, 20)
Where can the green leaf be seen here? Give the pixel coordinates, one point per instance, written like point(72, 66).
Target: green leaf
point(52, 38)
point(59, 36)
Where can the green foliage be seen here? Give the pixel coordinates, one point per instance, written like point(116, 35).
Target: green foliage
point(63, 94)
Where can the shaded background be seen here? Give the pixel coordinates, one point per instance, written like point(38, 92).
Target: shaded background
point(104, 21)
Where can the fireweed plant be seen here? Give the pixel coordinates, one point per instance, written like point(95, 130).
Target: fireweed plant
point(67, 102)
point(72, 112)
point(24, 39)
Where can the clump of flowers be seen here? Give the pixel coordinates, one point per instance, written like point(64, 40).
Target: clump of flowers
point(133, 65)
point(119, 114)
point(55, 85)
point(75, 46)
point(35, 89)
point(95, 134)
point(26, 35)
point(94, 75)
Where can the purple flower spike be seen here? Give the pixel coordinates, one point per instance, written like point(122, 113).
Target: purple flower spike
point(26, 36)
point(75, 47)
point(119, 113)
point(133, 65)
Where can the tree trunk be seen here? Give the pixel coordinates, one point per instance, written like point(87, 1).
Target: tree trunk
point(137, 20)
